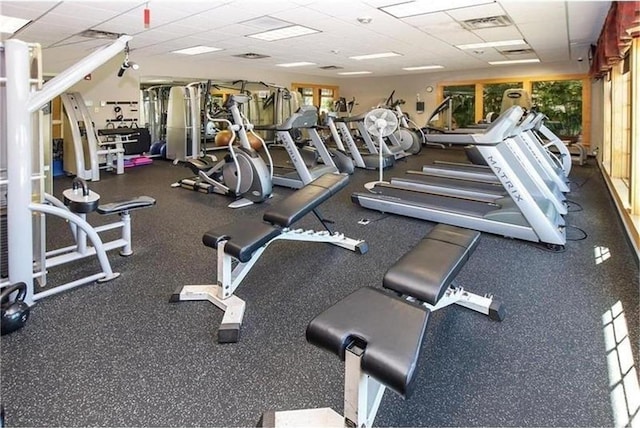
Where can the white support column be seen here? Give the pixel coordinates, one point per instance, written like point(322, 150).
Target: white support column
point(19, 140)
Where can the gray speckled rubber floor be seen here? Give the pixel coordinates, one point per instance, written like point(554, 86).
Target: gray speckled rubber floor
point(118, 354)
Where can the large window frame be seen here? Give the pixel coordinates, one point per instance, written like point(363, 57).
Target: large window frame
point(316, 92)
point(527, 84)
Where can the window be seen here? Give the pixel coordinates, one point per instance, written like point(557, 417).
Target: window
point(321, 96)
point(463, 104)
point(565, 99)
point(492, 96)
point(561, 102)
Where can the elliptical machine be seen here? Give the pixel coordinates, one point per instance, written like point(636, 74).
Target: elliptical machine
point(242, 174)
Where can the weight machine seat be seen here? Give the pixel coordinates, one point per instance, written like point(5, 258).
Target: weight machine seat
point(304, 200)
point(243, 238)
point(128, 205)
point(428, 269)
point(390, 329)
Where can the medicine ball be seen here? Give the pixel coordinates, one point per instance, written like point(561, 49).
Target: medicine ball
point(15, 312)
point(254, 141)
point(223, 137)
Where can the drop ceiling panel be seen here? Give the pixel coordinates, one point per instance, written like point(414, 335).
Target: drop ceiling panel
point(26, 10)
point(459, 37)
point(424, 39)
point(535, 11)
point(585, 23)
point(474, 12)
point(559, 54)
point(499, 33)
point(555, 34)
point(433, 22)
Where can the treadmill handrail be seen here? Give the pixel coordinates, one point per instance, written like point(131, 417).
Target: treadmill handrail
point(497, 131)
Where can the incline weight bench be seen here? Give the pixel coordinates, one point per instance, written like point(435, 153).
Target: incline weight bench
point(243, 243)
point(379, 335)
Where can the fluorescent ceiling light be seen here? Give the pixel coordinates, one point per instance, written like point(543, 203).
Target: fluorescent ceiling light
point(422, 67)
point(413, 8)
point(196, 50)
point(296, 64)
point(353, 73)
point(283, 33)
point(492, 44)
point(9, 24)
point(375, 56)
point(515, 61)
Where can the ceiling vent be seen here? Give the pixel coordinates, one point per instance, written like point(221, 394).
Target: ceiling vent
point(330, 67)
point(251, 55)
point(517, 51)
point(487, 22)
point(97, 34)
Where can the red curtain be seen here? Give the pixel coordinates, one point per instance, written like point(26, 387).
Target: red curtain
point(620, 27)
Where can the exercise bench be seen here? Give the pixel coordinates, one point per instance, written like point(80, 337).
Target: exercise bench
point(379, 335)
point(242, 243)
point(427, 272)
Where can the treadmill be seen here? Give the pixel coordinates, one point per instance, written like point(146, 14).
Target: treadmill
point(541, 184)
point(300, 174)
point(340, 131)
point(520, 215)
point(536, 152)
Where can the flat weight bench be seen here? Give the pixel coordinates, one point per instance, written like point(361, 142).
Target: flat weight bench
point(242, 244)
point(427, 272)
point(379, 335)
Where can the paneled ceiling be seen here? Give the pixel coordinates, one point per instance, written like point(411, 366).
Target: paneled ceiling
point(554, 31)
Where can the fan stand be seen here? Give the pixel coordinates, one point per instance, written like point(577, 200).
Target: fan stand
point(380, 122)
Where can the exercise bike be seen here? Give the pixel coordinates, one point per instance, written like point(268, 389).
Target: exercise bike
point(241, 174)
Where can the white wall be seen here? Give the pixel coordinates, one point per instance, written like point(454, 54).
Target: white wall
point(369, 91)
point(216, 70)
point(105, 85)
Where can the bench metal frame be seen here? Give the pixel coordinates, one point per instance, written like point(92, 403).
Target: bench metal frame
point(83, 232)
point(362, 397)
point(229, 277)
point(457, 295)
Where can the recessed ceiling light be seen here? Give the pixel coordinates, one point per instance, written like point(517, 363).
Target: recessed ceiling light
point(296, 64)
point(283, 33)
point(353, 73)
point(196, 50)
point(375, 56)
point(499, 43)
point(422, 67)
point(413, 8)
point(515, 61)
point(10, 24)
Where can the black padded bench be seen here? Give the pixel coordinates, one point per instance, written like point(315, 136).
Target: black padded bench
point(382, 334)
point(428, 270)
point(245, 241)
point(379, 337)
point(244, 238)
point(388, 329)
